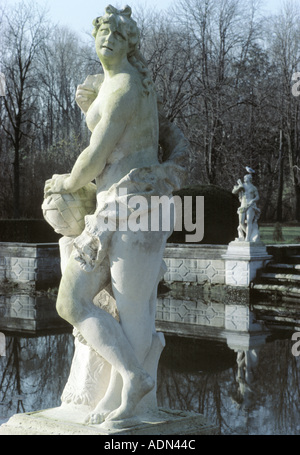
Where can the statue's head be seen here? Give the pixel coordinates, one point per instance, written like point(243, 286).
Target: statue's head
point(248, 178)
point(122, 21)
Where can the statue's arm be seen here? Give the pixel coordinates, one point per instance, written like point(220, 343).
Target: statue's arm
point(118, 110)
point(238, 188)
point(256, 197)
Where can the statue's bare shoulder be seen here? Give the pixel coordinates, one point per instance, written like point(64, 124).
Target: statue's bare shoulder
point(121, 89)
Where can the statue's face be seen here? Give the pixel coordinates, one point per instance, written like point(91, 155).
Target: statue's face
point(247, 179)
point(111, 42)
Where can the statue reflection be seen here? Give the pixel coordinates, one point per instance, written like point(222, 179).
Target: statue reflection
point(245, 336)
point(245, 378)
point(197, 373)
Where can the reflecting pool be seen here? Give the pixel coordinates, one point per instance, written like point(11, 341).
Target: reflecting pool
point(236, 371)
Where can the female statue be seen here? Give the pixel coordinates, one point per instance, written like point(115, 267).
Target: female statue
point(122, 115)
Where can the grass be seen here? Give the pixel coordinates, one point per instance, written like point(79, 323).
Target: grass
point(290, 234)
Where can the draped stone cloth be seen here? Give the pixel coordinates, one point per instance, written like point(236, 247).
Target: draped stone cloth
point(157, 180)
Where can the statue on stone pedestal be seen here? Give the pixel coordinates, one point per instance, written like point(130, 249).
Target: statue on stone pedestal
point(248, 211)
point(111, 272)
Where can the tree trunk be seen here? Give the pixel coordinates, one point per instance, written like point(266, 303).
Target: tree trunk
point(293, 175)
point(297, 208)
point(17, 184)
point(280, 181)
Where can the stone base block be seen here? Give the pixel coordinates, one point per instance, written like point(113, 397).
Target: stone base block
point(163, 422)
point(243, 260)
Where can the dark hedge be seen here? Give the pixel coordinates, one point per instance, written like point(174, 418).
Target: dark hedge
point(220, 215)
point(220, 220)
point(27, 231)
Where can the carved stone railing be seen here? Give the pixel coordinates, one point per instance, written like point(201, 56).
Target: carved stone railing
point(34, 264)
point(195, 263)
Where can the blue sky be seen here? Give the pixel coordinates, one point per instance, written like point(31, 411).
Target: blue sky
point(78, 14)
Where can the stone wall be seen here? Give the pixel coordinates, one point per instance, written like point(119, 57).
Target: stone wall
point(195, 263)
point(39, 263)
point(36, 265)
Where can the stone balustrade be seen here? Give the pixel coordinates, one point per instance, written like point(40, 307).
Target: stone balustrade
point(39, 264)
point(33, 264)
point(195, 263)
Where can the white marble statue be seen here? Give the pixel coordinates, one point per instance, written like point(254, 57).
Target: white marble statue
point(110, 274)
point(248, 211)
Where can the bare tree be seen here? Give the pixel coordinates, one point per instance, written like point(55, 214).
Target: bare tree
point(285, 51)
point(24, 33)
point(221, 76)
point(222, 31)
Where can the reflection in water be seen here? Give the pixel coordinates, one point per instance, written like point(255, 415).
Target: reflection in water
point(256, 394)
point(243, 377)
point(34, 372)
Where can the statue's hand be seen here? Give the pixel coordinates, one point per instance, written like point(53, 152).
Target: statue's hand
point(85, 96)
point(87, 92)
point(58, 184)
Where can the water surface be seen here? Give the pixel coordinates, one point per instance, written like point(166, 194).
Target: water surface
point(236, 371)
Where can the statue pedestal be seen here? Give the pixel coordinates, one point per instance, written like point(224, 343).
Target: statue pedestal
point(243, 260)
point(60, 421)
